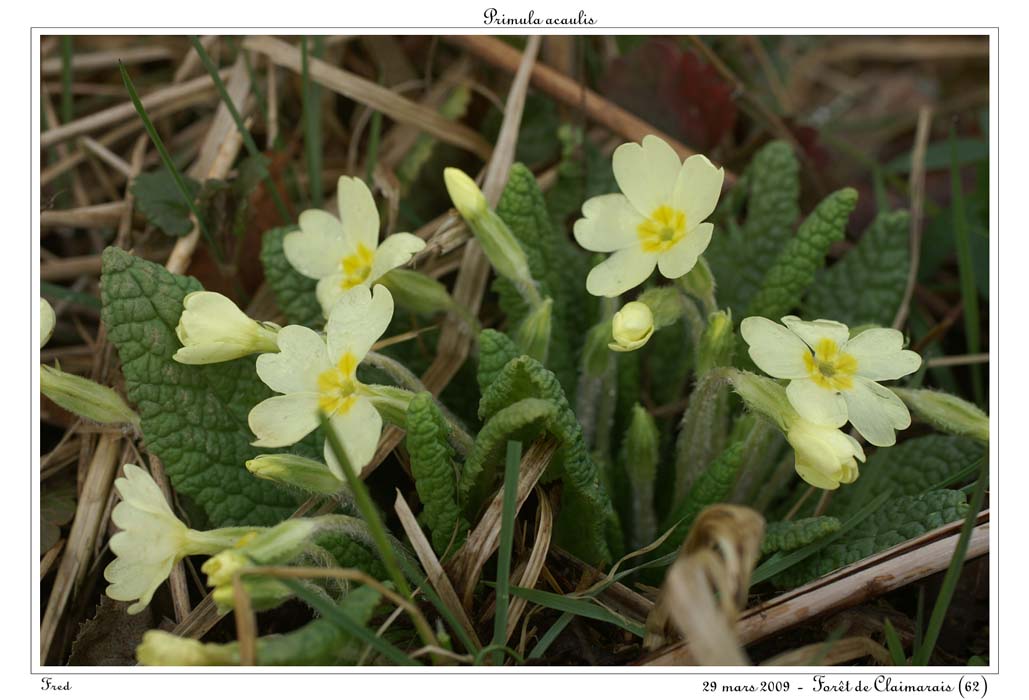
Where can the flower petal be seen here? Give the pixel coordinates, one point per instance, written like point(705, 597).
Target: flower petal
point(328, 291)
point(775, 349)
point(813, 331)
point(697, 188)
point(316, 249)
point(621, 272)
point(138, 488)
point(395, 251)
point(610, 224)
point(358, 430)
point(819, 479)
point(817, 404)
point(358, 213)
point(646, 174)
point(136, 580)
point(295, 368)
point(875, 411)
point(681, 258)
point(880, 355)
point(357, 320)
point(283, 420)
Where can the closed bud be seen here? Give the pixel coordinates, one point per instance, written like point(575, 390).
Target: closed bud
point(825, 456)
point(631, 327)
point(947, 413)
point(501, 247)
point(533, 335)
point(47, 321)
point(717, 342)
point(417, 292)
point(277, 545)
point(264, 592)
point(293, 470)
point(84, 397)
point(160, 648)
point(763, 396)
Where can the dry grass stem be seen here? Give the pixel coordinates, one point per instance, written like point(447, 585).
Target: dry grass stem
point(83, 62)
point(537, 557)
point(375, 96)
point(95, 216)
point(916, 185)
point(838, 652)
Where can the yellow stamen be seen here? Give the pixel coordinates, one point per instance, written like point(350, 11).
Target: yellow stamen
point(356, 267)
point(337, 386)
point(665, 227)
point(829, 368)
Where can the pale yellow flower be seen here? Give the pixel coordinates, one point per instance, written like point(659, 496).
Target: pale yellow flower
point(833, 376)
point(213, 329)
point(657, 220)
point(320, 374)
point(47, 321)
point(825, 456)
point(344, 253)
point(152, 539)
point(631, 327)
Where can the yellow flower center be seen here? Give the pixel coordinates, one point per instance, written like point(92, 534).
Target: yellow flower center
point(829, 368)
point(665, 227)
point(337, 386)
point(357, 267)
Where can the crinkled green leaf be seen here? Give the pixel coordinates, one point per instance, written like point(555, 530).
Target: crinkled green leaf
point(898, 520)
point(193, 417)
point(495, 350)
point(909, 468)
point(294, 293)
point(558, 268)
point(434, 471)
point(587, 524)
point(787, 535)
point(867, 284)
point(740, 255)
point(158, 197)
point(793, 271)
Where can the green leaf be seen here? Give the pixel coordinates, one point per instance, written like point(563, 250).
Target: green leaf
point(158, 197)
point(702, 432)
point(788, 535)
point(556, 265)
point(938, 155)
point(582, 173)
point(898, 520)
point(910, 468)
point(868, 284)
point(193, 417)
point(495, 351)
point(587, 524)
point(793, 271)
point(577, 606)
point(434, 471)
point(536, 143)
point(741, 255)
point(294, 293)
point(56, 509)
point(714, 485)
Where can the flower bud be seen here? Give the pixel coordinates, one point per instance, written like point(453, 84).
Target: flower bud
point(293, 470)
point(631, 327)
point(717, 342)
point(826, 456)
point(764, 396)
point(699, 281)
point(501, 247)
point(84, 397)
point(947, 412)
point(417, 292)
point(666, 303)
point(213, 329)
point(265, 593)
point(278, 545)
point(47, 321)
point(160, 648)
point(533, 335)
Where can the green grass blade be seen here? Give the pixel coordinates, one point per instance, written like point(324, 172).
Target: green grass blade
point(577, 606)
point(67, 101)
point(966, 270)
point(547, 639)
point(248, 140)
point(779, 563)
point(950, 579)
point(367, 509)
point(340, 618)
point(507, 518)
point(894, 645)
point(312, 108)
point(168, 162)
point(919, 617)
